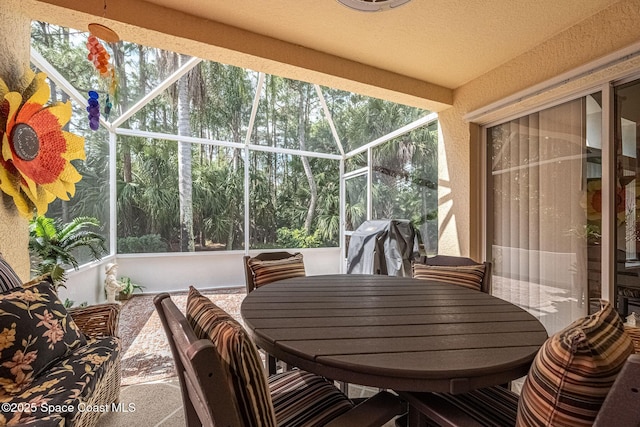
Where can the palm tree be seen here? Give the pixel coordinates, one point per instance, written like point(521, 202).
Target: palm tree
point(184, 165)
point(303, 118)
point(52, 245)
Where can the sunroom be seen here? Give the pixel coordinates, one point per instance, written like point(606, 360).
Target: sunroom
point(471, 122)
point(519, 131)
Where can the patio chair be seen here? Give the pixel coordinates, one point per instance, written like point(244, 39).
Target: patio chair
point(454, 269)
point(268, 267)
point(223, 382)
point(586, 374)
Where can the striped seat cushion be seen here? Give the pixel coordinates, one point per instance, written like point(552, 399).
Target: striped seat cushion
point(301, 398)
point(634, 334)
point(273, 270)
point(491, 406)
point(574, 370)
point(469, 276)
point(247, 376)
point(8, 277)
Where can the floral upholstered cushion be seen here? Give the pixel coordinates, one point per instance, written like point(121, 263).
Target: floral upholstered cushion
point(247, 376)
point(267, 271)
point(35, 331)
point(69, 381)
point(8, 278)
point(469, 276)
point(574, 370)
point(48, 421)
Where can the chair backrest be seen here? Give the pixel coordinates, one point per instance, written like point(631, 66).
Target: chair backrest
point(265, 256)
point(8, 278)
point(583, 375)
point(454, 261)
point(206, 396)
point(621, 405)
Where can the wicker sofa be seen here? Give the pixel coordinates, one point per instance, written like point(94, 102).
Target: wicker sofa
point(57, 367)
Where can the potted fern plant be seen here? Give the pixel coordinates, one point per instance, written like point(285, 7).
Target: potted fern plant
point(128, 289)
point(53, 244)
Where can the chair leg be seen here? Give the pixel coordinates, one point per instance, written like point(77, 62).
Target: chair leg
point(190, 414)
point(416, 418)
point(623, 305)
point(272, 366)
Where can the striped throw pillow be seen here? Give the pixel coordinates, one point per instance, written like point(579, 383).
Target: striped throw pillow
point(574, 370)
point(469, 276)
point(8, 277)
point(273, 270)
point(247, 376)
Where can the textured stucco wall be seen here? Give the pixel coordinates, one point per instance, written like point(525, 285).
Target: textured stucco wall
point(14, 58)
point(613, 28)
point(460, 156)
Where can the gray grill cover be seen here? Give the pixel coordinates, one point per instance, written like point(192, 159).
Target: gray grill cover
point(383, 247)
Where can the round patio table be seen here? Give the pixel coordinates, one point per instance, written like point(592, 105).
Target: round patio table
point(396, 333)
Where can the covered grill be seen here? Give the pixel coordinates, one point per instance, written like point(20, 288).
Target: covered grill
point(384, 246)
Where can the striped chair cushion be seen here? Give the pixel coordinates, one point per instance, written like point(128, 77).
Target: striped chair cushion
point(302, 398)
point(247, 376)
point(8, 278)
point(469, 276)
point(491, 406)
point(574, 370)
point(270, 271)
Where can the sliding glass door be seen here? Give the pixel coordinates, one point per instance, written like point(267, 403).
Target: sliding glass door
point(544, 226)
point(627, 183)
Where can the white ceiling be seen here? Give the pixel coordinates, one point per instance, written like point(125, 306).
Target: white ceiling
point(444, 42)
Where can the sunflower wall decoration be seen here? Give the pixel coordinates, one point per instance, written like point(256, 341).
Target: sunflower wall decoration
point(36, 154)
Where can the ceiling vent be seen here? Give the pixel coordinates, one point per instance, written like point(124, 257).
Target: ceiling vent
point(373, 5)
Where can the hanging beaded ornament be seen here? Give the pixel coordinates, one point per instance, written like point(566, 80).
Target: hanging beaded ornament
point(93, 108)
point(99, 57)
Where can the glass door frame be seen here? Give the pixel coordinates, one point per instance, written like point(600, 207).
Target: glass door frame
point(608, 180)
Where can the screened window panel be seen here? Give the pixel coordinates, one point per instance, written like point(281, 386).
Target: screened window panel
point(148, 208)
point(405, 176)
point(91, 198)
point(294, 201)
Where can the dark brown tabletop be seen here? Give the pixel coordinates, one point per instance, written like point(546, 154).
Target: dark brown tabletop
point(396, 333)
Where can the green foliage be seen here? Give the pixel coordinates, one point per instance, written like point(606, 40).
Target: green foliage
point(293, 201)
point(129, 286)
point(149, 243)
point(298, 238)
point(53, 245)
point(69, 303)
